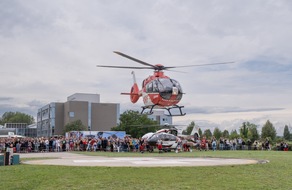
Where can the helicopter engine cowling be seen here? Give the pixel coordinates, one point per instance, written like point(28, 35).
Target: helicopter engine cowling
point(134, 95)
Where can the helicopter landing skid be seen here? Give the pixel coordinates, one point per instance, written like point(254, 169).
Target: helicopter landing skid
point(166, 108)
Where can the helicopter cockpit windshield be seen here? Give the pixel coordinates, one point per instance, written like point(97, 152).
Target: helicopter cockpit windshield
point(166, 88)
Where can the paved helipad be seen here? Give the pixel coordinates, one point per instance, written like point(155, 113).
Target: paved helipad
point(71, 159)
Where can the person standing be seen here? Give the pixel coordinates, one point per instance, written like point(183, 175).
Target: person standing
point(214, 143)
point(159, 145)
point(221, 143)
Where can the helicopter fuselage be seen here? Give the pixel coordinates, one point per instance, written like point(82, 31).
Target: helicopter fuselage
point(160, 90)
point(167, 139)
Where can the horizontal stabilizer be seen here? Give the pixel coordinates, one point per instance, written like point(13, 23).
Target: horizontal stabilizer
point(128, 93)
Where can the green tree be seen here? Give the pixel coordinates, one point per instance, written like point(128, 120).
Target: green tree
point(200, 132)
point(225, 134)
point(75, 126)
point(244, 129)
point(16, 117)
point(217, 133)
point(286, 134)
point(132, 123)
point(207, 133)
point(252, 133)
point(189, 129)
point(268, 131)
point(233, 134)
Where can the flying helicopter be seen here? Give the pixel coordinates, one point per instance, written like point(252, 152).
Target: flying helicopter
point(158, 90)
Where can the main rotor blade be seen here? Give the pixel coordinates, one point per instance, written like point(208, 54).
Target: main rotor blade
point(122, 67)
point(134, 59)
point(199, 65)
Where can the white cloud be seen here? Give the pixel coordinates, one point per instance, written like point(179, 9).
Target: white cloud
point(48, 51)
point(233, 120)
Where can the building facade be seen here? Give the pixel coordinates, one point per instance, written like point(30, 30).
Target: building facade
point(160, 117)
point(97, 116)
point(22, 129)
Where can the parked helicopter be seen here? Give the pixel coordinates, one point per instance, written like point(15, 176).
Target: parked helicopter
point(166, 136)
point(169, 138)
point(158, 91)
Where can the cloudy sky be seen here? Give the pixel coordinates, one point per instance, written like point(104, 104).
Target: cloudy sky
point(50, 49)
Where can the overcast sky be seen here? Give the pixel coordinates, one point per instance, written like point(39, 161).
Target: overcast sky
point(49, 50)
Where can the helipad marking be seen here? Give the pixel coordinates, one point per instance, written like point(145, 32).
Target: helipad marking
point(93, 161)
point(133, 159)
point(166, 162)
point(147, 161)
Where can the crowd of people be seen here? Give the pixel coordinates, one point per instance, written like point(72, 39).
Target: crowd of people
point(58, 144)
point(237, 144)
point(127, 144)
point(233, 144)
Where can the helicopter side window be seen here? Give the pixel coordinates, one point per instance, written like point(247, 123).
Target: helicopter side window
point(155, 86)
point(177, 85)
point(168, 87)
point(174, 132)
point(165, 88)
point(160, 86)
point(152, 87)
point(172, 138)
point(164, 136)
point(149, 87)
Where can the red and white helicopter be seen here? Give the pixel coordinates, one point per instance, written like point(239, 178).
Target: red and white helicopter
point(158, 90)
point(169, 137)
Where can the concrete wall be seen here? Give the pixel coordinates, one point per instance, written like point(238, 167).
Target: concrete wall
point(79, 109)
point(104, 116)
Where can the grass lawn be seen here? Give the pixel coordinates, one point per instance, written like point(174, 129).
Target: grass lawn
point(277, 174)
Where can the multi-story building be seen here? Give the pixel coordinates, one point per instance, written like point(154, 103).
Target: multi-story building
point(22, 129)
point(15, 125)
point(160, 117)
point(97, 116)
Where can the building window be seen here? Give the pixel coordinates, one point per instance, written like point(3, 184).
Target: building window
point(71, 114)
